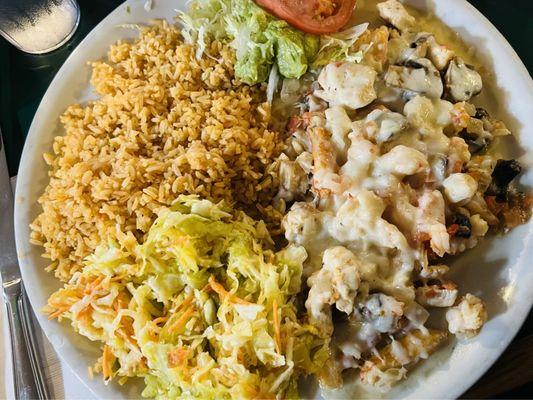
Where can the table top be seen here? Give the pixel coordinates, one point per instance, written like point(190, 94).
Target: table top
point(24, 79)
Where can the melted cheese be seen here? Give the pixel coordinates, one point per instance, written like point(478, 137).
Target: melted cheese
point(386, 181)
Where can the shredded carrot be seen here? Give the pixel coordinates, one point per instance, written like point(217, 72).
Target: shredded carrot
point(223, 293)
point(108, 358)
point(84, 312)
point(160, 319)
point(182, 320)
point(188, 300)
point(127, 337)
point(121, 301)
point(58, 312)
point(217, 287)
point(277, 326)
point(105, 282)
point(91, 287)
point(177, 357)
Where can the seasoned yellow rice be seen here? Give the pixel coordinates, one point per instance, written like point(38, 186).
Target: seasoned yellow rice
point(165, 123)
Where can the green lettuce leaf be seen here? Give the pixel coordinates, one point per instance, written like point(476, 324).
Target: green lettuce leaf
point(259, 39)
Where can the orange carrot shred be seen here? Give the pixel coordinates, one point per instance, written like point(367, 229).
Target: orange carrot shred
point(223, 293)
point(277, 326)
point(182, 320)
point(108, 358)
point(160, 319)
point(177, 357)
point(57, 313)
point(188, 300)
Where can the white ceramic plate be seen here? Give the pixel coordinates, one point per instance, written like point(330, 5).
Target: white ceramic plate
point(498, 270)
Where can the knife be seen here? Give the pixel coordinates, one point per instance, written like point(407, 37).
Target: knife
point(28, 376)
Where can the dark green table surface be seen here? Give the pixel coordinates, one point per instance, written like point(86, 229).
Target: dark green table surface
point(25, 78)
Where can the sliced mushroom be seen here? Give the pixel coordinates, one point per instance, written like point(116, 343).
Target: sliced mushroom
point(494, 126)
point(460, 226)
point(476, 143)
point(411, 46)
point(476, 127)
point(382, 311)
point(416, 46)
point(418, 76)
point(293, 180)
point(313, 103)
point(502, 175)
point(462, 82)
point(382, 124)
point(437, 294)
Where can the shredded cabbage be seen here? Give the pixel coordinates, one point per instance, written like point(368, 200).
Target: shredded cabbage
point(273, 81)
point(339, 46)
point(203, 308)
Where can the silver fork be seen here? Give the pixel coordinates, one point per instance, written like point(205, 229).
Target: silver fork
point(27, 372)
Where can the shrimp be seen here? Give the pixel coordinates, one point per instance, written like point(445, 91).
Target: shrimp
point(466, 319)
point(458, 155)
point(326, 179)
point(431, 221)
point(336, 283)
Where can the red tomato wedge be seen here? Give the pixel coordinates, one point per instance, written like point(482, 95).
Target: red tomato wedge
point(312, 16)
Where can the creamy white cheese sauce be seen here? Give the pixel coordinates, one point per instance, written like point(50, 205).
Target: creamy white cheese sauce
point(387, 176)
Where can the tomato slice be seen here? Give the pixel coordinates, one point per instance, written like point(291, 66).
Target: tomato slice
point(313, 16)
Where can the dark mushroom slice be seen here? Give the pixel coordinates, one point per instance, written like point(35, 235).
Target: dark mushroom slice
point(481, 113)
point(502, 175)
point(462, 81)
point(424, 45)
point(382, 311)
point(474, 134)
point(476, 143)
point(294, 182)
point(481, 129)
point(417, 76)
point(493, 126)
point(460, 226)
point(416, 46)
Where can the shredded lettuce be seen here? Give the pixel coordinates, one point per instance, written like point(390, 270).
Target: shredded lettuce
point(339, 46)
point(260, 40)
point(203, 308)
point(273, 81)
